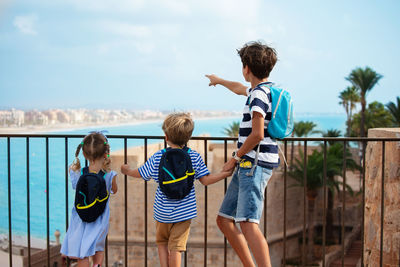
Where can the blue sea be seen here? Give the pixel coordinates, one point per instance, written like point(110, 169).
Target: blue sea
point(37, 170)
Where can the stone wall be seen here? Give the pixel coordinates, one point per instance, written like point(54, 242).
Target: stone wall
point(373, 196)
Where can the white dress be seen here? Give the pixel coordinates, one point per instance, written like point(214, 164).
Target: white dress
point(84, 239)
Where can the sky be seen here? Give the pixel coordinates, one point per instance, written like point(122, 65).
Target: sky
point(153, 54)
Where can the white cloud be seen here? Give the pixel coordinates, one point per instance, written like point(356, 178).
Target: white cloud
point(142, 47)
point(124, 6)
point(26, 24)
point(180, 7)
point(125, 29)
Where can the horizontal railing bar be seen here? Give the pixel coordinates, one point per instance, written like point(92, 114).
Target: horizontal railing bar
point(312, 139)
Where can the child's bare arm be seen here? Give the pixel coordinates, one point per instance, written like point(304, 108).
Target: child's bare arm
point(114, 186)
point(213, 178)
point(236, 87)
point(125, 169)
point(256, 135)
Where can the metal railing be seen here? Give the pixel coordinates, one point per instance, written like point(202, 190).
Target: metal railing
point(145, 139)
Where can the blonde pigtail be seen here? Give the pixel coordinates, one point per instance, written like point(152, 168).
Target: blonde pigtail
point(76, 164)
point(107, 162)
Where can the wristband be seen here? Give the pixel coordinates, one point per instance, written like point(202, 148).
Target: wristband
point(235, 156)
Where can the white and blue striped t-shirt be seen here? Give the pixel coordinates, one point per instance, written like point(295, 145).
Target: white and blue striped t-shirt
point(259, 100)
point(170, 210)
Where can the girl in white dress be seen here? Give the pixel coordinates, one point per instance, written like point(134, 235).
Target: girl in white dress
point(85, 239)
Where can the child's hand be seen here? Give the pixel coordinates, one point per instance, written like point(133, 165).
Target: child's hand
point(229, 166)
point(214, 79)
point(125, 169)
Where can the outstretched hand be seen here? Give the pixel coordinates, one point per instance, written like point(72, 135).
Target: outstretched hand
point(125, 169)
point(214, 79)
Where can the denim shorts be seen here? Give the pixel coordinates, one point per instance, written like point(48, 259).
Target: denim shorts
point(244, 199)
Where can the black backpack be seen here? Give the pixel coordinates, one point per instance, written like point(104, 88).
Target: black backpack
point(91, 195)
point(175, 173)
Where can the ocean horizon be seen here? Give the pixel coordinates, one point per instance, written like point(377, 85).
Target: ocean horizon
point(213, 127)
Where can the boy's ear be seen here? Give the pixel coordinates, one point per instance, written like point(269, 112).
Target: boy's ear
point(246, 69)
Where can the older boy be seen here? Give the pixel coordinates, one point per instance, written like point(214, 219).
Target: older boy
point(173, 216)
point(243, 202)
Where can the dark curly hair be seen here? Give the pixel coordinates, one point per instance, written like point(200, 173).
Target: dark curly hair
point(259, 57)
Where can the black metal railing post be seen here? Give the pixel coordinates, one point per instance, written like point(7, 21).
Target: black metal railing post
point(364, 144)
point(66, 182)
point(145, 208)
point(205, 207)
point(324, 208)
point(47, 202)
point(303, 258)
point(225, 188)
point(28, 212)
point(382, 204)
point(126, 204)
point(284, 205)
point(343, 200)
point(9, 201)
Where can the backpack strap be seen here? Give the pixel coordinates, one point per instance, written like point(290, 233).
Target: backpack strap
point(84, 170)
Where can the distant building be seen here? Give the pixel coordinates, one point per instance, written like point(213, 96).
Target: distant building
point(35, 117)
point(12, 117)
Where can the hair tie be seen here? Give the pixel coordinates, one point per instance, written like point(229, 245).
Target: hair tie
point(105, 143)
point(82, 143)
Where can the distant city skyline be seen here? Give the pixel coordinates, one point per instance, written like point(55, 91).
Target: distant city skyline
point(135, 54)
point(34, 117)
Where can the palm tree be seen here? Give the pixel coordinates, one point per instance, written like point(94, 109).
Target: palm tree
point(349, 98)
point(233, 129)
point(304, 128)
point(364, 80)
point(335, 158)
point(314, 180)
point(331, 133)
point(376, 116)
point(395, 111)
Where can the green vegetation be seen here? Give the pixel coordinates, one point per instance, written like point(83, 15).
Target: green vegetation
point(314, 178)
point(376, 116)
point(348, 99)
point(233, 129)
point(363, 80)
point(395, 111)
point(304, 128)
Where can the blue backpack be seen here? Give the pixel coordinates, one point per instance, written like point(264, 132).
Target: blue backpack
point(91, 195)
point(175, 173)
point(281, 123)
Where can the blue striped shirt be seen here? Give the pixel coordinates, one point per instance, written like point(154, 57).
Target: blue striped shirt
point(259, 100)
point(170, 210)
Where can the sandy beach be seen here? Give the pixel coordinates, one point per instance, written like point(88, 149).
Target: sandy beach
point(62, 127)
point(54, 128)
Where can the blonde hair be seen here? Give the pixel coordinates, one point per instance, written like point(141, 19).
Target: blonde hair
point(178, 127)
point(93, 146)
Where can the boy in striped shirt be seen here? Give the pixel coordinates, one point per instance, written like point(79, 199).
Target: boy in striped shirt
point(243, 202)
point(173, 217)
